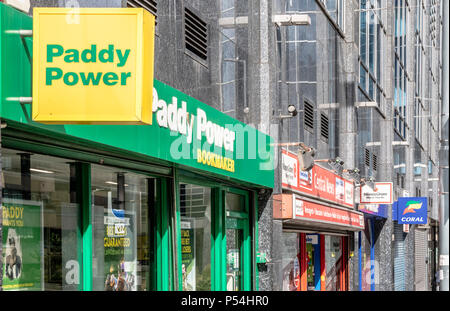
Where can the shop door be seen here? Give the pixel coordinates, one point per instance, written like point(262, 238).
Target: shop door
point(313, 262)
point(237, 242)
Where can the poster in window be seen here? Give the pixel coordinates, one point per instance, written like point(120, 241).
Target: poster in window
point(22, 245)
point(188, 254)
point(119, 250)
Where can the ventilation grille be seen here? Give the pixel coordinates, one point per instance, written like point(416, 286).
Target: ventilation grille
point(195, 34)
point(309, 116)
point(149, 5)
point(374, 162)
point(324, 126)
point(367, 157)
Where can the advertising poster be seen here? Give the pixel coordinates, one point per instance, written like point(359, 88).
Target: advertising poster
point(188, 254)
point(340, 189)
point(22, 245)
point(119, 248)
point(310, 265)
point(290, 170)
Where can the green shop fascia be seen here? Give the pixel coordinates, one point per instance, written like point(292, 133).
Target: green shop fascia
point(167, 206)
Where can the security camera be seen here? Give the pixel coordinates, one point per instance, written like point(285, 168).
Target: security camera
point(292, 110)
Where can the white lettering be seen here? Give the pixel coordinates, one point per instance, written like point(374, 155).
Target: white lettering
point(73, 275)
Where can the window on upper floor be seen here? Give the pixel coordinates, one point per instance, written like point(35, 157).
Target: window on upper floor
point(371, 34)
point(335, 9)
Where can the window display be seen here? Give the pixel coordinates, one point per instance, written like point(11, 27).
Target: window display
point(333, 259)
point(195, 223)
point(120, 227)
point(41, 248)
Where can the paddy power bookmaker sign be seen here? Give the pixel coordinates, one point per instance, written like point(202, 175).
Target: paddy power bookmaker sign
point(22, 245)
point(183, 129)
point(92, 65)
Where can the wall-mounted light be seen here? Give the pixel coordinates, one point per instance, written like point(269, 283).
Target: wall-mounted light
point(354, 173)
point(369, 181)
point(292, 110)
point(306, 157)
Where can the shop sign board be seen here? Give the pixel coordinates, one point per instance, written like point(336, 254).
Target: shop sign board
point(93, 65)
point(317, 182)
point(379, 210)
point(320, 213)
point(412, 210)
point(381, 193)
point(184, 131)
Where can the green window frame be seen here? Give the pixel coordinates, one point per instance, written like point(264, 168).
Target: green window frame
point(219, 218)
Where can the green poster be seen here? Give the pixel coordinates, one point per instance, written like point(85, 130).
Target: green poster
point(188, 254)
point(22, 245)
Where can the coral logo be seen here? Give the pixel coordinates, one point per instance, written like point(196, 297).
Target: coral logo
point(412, 210)
point(412, 206)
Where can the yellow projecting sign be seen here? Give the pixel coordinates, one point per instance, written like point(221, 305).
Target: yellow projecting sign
point(93, 66)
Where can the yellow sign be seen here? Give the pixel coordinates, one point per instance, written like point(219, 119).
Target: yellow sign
point(93, 66)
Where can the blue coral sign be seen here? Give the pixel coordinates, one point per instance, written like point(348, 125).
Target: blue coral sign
point(412, 210)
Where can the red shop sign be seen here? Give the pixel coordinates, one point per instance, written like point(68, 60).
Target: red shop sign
point(318, 182)
point(316, 212)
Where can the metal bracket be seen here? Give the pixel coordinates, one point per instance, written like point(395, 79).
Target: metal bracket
point(400, 143)
point(21, 32)
point(366, 105)
point(291, 19)
point(21, 100)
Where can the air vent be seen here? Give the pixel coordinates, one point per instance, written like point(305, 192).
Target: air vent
point(195, 34)
point(149, 5)
point(374, 162)
point(309, 116)
point(367, 157)
point(324, 126)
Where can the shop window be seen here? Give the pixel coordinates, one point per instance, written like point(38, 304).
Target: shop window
point(333, 262)
point(234, 202)
point(41, 248)
point(195, 226)
point(289, 251)
point(121, 229)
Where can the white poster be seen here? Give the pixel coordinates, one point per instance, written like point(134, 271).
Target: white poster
point(380, 194)
point(188, 254)
point(289, 171)
point(348, 193)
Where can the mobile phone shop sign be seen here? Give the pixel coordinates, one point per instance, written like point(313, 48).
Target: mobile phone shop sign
point(92, 65)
